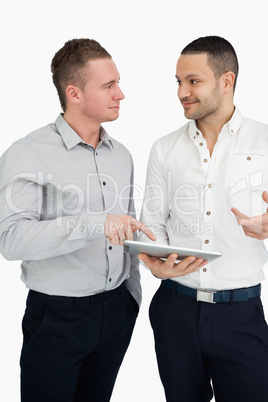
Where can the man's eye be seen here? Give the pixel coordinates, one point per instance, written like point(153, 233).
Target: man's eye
point(179, 82)
point(194, 82)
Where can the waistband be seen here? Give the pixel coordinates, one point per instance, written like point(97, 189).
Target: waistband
point(96, 298)
point(211, 296)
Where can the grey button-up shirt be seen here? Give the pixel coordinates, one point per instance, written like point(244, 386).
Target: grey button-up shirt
point(55, 194)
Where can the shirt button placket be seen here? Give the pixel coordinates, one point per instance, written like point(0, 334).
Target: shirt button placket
point(207, 232)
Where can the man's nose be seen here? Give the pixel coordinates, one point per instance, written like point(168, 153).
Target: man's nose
point(183, 91)
point(119, 94)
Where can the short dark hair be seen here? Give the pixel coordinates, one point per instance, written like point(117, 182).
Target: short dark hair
point(221, 54)
point(68, 64)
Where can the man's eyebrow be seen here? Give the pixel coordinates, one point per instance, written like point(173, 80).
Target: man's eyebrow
point(189, 76)
point(110, 82)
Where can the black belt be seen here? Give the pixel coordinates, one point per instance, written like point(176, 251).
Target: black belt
point(96, 298)
point(214, 296)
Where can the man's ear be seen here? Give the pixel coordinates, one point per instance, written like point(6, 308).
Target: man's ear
point(73, 94)
point(228, 80)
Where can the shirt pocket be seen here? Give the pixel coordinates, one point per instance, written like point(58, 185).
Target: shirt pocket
point(246, 181)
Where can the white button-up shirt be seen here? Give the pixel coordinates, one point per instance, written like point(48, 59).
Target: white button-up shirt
point(189, 196)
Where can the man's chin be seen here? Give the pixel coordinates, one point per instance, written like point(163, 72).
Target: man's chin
point(114, 118)
point(111, 118)
point(188, 115)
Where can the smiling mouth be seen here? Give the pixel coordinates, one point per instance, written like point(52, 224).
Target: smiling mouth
point(188, 102)
point(187, 105)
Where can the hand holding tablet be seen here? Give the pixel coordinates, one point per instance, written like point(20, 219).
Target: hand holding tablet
point(179, 261)
point(162, 251)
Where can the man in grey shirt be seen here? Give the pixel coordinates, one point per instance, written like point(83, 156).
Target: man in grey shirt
point(66, 207)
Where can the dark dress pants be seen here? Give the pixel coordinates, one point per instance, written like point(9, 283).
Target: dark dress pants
point(203, 347)
point(73, 347)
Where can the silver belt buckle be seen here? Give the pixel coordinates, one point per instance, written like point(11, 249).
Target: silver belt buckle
point(205, 295)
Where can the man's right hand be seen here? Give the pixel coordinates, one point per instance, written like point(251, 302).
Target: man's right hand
point(169, 268)
point(121, 227)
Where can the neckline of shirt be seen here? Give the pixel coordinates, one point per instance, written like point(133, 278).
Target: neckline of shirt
point(71, 138)
point(230, 128)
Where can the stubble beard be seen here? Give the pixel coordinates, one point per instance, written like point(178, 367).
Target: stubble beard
point(207, 108)
point(100, 118)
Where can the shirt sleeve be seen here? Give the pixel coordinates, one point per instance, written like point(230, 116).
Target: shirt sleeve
point(23, 233)
point(155, 209)
point(133, 283)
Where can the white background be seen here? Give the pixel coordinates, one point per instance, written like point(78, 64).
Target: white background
point(145, 38)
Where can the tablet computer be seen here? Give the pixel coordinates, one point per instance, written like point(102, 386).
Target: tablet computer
point(162, 251)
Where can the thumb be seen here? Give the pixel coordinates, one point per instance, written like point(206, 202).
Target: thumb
point(238, 214)
point(265, 196)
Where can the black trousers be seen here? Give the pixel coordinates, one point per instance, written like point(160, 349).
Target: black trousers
point(203, 347)
point(73, 347)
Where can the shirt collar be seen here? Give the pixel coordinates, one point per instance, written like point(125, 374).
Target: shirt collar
point(71, 138)
point(232, 126)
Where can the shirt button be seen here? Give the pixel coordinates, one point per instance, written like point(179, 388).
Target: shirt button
point(208, 212)
point(248, 158)
point(197, 133)
point(201, 144)
point(205, 160)
point(110, 248)
point(110, 279)
point(206, 241)
point(204, 269)
point(232, 131)
point(104, 183)
point(209, 185)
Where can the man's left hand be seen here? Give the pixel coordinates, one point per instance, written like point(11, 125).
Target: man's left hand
point(257, 226)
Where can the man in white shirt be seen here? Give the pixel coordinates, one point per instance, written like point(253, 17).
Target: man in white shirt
point(202, 180)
